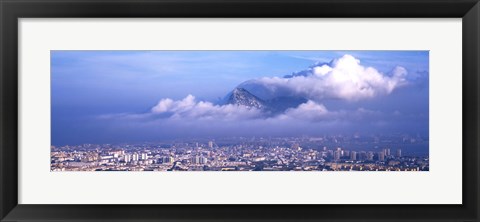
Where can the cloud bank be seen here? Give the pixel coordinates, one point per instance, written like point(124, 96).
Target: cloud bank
point(343, 78)
point(192, 109)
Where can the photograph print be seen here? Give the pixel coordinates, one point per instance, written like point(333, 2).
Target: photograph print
point(263, 110)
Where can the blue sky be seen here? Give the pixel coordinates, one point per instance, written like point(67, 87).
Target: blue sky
point(104, 96)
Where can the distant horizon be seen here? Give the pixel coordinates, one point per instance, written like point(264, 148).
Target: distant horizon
point(112, 97)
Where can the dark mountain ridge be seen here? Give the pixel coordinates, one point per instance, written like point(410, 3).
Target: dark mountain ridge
point(241, 96)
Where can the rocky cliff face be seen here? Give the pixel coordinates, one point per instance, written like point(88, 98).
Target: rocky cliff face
point(240, 96)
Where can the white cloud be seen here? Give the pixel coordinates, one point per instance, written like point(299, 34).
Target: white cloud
point(314, 112)
point(343, 78)
point(190, 108)
point(306, 111)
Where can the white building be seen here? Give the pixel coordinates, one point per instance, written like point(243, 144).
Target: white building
point(135, 157)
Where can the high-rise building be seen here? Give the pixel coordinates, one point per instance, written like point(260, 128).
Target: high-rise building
point(399, 153)
point(381, 156)
point(337, 154)
point(193, 159)
point(167, 159)
point(127, 158)
point(353, 155)
point(144, 156)
point(198, 160)
point(386, 151)
point(135, 157)
point(210, 144)
point(203, 160)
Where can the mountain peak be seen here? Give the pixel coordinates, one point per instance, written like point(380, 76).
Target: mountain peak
point(240, 96)
point(240, 90)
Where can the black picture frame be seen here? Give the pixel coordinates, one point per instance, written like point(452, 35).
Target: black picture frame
point(12, 10)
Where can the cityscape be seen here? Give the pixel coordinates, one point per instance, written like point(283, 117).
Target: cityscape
point(239, 110)
point(244, 154)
